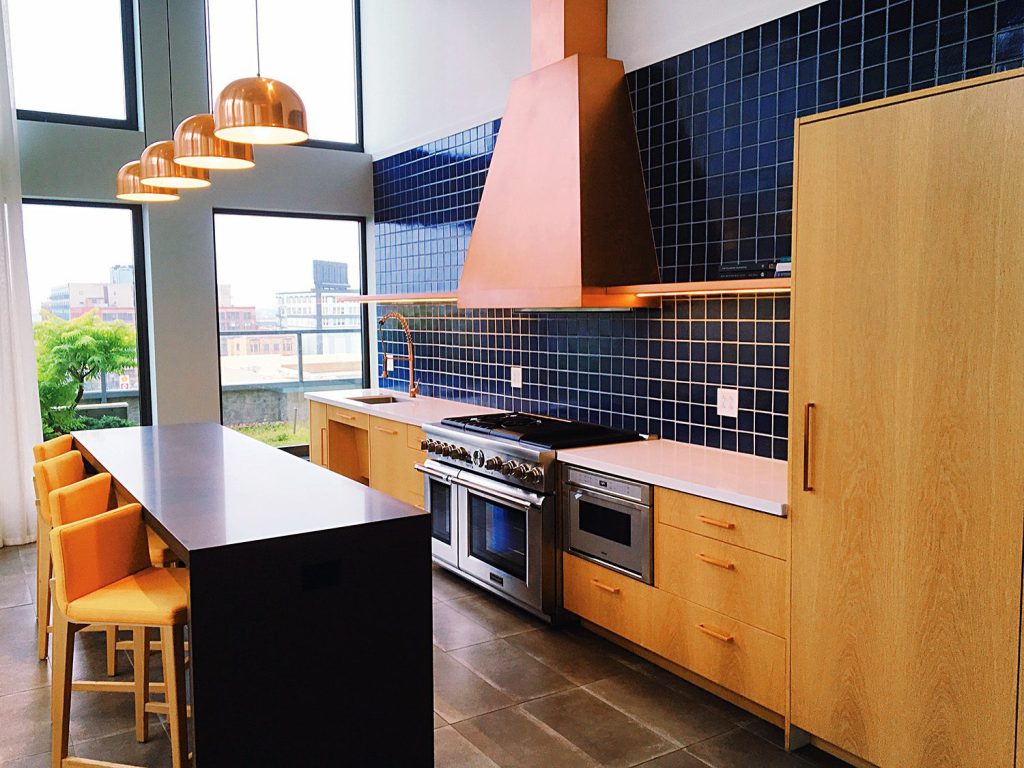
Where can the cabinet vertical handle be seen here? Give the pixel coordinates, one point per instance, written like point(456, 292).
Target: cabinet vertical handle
point(323, 446)
point(605, 587)
point(723, 636)
point(808, 446)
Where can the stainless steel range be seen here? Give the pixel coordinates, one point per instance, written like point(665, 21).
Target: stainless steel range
point(490, 486)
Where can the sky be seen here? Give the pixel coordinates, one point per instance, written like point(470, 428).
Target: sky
point(76, 67)
point(261, 255)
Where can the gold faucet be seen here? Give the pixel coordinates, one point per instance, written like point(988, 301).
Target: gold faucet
point(414, 388)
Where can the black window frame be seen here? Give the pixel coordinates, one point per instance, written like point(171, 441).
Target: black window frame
point(141, 279)
point(357, 47)
point(364, 309)
point(131, 86)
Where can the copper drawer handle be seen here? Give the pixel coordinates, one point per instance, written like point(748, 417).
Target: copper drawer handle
point(605, 587)
point(725, 638)
point(387, 431)
point(715, 561)
point(323, 450)
point(716, 523)
point(345, 416)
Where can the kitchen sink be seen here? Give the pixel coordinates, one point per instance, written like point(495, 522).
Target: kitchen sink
point(376, 399)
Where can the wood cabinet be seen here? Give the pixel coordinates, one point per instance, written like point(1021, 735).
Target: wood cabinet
point(717, 609)
point(393, 461)
point(609, 599)
point(317, 433)
point(907, 400)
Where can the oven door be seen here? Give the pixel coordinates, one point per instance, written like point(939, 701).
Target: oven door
point(501, 537)
point(610, 531)
point(439, 499)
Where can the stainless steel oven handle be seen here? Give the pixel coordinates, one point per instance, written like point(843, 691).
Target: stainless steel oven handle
point(446, 479)
point(608, 499)
point(501, 498)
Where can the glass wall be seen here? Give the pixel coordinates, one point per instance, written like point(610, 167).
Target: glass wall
point(284, 329)
point(88, 308)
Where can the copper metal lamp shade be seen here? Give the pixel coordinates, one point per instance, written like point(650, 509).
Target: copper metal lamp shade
point(195, 146)
point(258, 110)
point(130, 188)
point(158, 169)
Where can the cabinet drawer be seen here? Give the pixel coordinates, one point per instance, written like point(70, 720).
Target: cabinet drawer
point(735, 525)
point(615, 602)
point(740, 583)
point(415, 437)
point(733, 654)
point(343, 416)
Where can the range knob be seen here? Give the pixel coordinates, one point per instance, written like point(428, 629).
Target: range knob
point(520, 471)
point(493, 463)
point(535, 475)
point(425, 445)
point(448, 449)
point(508, 467)
point(461, 453)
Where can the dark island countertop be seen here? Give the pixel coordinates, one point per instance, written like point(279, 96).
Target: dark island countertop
point(205, 486)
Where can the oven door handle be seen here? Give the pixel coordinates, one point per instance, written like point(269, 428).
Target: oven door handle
point(446, 479)
point(608, 500)
point(501, 498)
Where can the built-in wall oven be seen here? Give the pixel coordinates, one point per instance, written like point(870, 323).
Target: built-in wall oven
point(609, 520)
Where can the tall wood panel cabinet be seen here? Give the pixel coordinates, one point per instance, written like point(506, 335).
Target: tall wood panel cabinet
point(907, 460)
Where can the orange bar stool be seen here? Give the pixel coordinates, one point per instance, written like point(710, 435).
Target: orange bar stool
point(103, 575)
point(81, 501)
point(48, 475)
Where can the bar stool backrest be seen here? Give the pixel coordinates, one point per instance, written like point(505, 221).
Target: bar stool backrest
point(55, 473)
point(78, 501)
point(93, 553)
point(51, 448)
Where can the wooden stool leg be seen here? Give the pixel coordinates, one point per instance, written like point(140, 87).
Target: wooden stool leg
point(60, 687)
point(173, 641)
point(111, 651)
point(44, 568)
point(140, 647)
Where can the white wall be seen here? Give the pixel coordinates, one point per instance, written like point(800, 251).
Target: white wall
point(641, 32)
point(435, 67)
point(71, 162)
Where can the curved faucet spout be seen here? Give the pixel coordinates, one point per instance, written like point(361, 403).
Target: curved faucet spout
point(414, 387)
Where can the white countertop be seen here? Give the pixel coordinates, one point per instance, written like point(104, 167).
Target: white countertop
point(734, 478)
point(418, 410)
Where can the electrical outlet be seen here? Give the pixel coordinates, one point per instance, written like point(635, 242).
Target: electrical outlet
point(728, 403)
point(516, 377)
point(390, 364)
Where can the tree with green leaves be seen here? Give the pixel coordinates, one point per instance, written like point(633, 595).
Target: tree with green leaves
point(71, 352)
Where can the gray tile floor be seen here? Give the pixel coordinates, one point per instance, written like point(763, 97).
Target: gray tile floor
point(508, 691)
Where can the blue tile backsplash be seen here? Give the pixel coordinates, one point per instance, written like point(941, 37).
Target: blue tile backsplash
point(715, 128)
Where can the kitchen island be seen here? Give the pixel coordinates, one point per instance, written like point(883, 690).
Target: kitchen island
point(309, 605)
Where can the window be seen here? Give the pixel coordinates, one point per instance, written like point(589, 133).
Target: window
point(74, 61)
point(86, 273)
point(312, 45)
point(274, 275)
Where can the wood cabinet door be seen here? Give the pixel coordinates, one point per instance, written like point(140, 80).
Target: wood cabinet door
point(908, 310)
point(318, 441)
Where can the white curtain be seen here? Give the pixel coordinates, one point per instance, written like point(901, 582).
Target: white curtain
point(19, 403)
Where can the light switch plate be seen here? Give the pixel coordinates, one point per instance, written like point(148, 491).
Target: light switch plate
point(516, 377)
point(390, 363)
point(728, 402)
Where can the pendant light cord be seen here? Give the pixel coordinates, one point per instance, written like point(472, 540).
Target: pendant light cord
point(170, 66)
point(256, 3)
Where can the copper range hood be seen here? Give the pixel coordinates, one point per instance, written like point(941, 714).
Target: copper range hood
point(564, 209)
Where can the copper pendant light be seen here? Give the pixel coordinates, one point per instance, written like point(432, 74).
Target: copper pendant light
point(159, 169)
point(196, 147)
point(259, 110)
point(130, 188)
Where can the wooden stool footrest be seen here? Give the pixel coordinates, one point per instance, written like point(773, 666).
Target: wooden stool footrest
point(83, 762)
point(114, 686)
